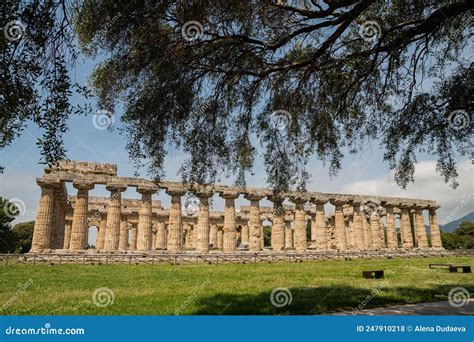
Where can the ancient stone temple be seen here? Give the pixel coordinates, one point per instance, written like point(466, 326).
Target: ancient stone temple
point(300, 222)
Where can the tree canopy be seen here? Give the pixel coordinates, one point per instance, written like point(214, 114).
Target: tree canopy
point(301, 78)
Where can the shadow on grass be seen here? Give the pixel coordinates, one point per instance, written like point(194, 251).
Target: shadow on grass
point(323, 299)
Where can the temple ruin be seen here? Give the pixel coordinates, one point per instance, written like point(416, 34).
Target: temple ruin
point(299, 222)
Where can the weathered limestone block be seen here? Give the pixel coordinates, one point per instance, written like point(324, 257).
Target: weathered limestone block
point(79, 220)
point(175, 226)
point(45, 214)
point(112, 232)
point(84, 167)
point(255, 223)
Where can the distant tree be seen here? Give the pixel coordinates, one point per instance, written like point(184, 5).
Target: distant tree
point(23, 236)
point(465, 228)
point(461, 238)
point(267, 234)
point(8, 212)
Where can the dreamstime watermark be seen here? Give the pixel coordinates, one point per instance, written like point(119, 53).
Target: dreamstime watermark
point(14, 207)
point(280, 119)
point(192, 297)
point(46, 330)
point(280, 297)
point(103, 296)
point(103, 119)
point(369, 297)
point(466, 199)
point(14, 30)
point(370, 31)
point(458, 297)
point(192, 30)
point(459, 119)
point(20, 289)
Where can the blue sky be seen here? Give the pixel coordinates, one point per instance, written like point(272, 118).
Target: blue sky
point(363, 173)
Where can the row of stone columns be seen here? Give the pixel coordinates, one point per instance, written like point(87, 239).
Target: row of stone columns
point(358, 231)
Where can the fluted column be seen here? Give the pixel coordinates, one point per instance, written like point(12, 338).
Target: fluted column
point(230, 239)
point(299, 240)
point(367, 232)
point(220, 238)
point(45, 214)
point(339, 225)
point(145, 219)
point(60, 220)
point(349, 232)
point(392, 242)
point(405, 227)
point(175, 225)
point(375, 230)
point(202, 245)
point(245, 235)
point(67, 234)
point(160, 235)
point(320, 228)
point(101, 233)
point(420, 229)
point(133, 238)
point(79, 219)
point(288, 231)
point(123, 238)
point(255, 223)
point(357, 227)
point(112, 232)
point(435, 233)
point(278, 224)
point(213, 235)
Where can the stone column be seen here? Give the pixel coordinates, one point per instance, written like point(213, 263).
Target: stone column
point(300, 241)
point(213, 235)
point(230, 238)
point(245, 234)
point(160, 235)
point(67, 234)
point(288, 231)
point(220, 238)
point(202, 244)
point(375, 230)
point(420, 229)
point(349, 232)
point(278, 225)
point(392, 242)
point(79, 219)
point(44, 215)
point(123, 236)
point(60, 219)
point(357, 226)
point(112, 232)
point(101, 232)
point(434, 229)
point(255, 223)
point(145, 218)
point(405, 227)
point(133, 238)
point(175, 225)
point(320, 229)
point(339, 225)
point(367, 232)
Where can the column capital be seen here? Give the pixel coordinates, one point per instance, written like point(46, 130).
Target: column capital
point(319, 199)
point(253, 196)
point(276, 199)
point(83, 185)
point(433, 207)
point(299, 198)
point(48, 182)
point(227, 194)
point(147, 189)
point(405, 206)
point(116, 187)
point(176, 191)
point(203, 192)
point(338, 201)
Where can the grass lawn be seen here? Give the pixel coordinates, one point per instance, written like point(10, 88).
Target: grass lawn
point(316, 287)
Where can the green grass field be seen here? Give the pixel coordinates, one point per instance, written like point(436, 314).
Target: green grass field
point(316, 287)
